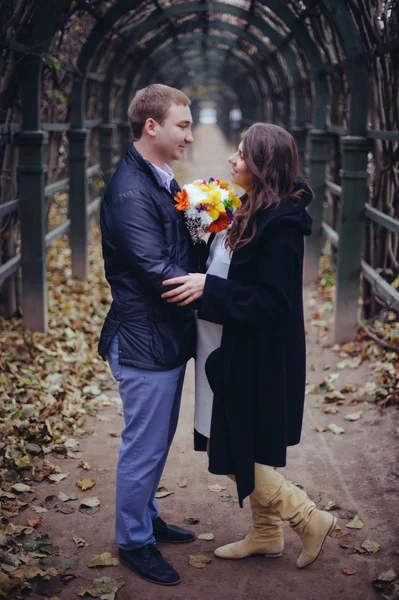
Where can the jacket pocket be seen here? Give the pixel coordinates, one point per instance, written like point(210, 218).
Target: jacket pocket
point(156, 345)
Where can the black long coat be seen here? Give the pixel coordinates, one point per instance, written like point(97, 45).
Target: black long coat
point(258, 373)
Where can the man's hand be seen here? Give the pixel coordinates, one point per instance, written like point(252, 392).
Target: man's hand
point(190, 288)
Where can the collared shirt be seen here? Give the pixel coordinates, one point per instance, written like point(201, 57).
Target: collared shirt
point(166, 174)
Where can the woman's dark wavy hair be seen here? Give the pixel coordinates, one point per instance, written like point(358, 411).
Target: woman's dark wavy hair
point(271, 155)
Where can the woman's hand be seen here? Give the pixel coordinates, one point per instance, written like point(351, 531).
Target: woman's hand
point(190, 288)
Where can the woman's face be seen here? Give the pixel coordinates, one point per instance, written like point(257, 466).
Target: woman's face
point(240, 173)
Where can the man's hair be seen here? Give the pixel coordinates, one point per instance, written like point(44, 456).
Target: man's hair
point(153, 102)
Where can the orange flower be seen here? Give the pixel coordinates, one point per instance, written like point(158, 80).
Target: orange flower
point(223, 184)
point(182, 200)
point(222, 223)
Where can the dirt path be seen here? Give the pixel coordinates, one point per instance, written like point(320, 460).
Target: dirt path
point(358, 468)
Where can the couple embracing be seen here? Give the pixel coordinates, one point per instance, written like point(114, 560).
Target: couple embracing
point(236, 304)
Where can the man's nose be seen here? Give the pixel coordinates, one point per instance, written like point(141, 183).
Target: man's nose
point(189, 137)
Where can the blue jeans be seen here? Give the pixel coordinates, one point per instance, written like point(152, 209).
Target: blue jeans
point(151, 404)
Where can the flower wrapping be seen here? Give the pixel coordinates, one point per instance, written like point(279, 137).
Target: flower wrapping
point(208, 206)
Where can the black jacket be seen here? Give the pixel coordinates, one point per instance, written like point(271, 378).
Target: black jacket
point(258, 373)
point(145, 241)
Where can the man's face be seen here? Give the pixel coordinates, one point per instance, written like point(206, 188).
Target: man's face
point(174, 134)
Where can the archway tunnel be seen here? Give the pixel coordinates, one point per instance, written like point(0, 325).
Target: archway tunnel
point(327, 70)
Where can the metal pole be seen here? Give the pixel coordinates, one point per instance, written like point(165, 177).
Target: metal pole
point(351, 236)
point(106, 151)
point(78, 199)
point(319, 156)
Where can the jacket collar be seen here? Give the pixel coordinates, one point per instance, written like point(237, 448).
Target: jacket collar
point(135, 158)
point(288, 213)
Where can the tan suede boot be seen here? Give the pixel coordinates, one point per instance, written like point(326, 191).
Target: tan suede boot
point(265, 537)
point(292, 504)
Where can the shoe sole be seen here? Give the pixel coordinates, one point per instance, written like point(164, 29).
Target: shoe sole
point(329, 532)
point(146, 578)
point(176, 541)
point(248, 555)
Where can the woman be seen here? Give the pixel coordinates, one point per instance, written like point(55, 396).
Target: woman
point(258, 373)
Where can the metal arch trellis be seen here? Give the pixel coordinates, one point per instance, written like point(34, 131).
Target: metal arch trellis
point(132, 38)
point(190, 7)
point(156, 42)
point(261, 46)
point(295, 48)
point(165, 60)
point(215, 69)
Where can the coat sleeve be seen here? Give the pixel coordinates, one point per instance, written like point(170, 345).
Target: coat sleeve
point(140, 236)
point(267, 299)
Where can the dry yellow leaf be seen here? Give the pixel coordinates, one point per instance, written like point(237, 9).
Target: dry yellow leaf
point(86, 484)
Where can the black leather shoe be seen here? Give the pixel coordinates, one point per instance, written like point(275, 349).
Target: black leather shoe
point(149, 563)
point(171, 533)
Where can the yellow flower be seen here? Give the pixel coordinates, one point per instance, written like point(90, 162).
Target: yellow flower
point(220, 207)
point(214, 196)
point(236, 202)
point(214, 213)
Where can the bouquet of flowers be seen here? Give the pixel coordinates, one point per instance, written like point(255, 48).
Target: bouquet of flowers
point(208, 206)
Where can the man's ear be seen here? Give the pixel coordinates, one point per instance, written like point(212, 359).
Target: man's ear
point(150, 127)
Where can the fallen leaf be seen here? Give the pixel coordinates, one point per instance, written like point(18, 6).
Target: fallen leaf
point(106, 418)
point(199, 561)
point(337, 533)
point(310, 389)
point(114, 434)
point(85, 465)
point(387, 582)
point(104, 560)
point(104, 588)
point(74, 455)
point(191, 520)
point(349, 389)
point(216, 487)
point(206, 536)
point(64, 509)
point(332, 504)
point(86, 484)
point(80, 542)
point(90, 506)
point(33, 522)
point(353, 416)
point(320, 428)
point(21, 487)
point(348, 571)
point(330, 410)
point(388, 575)
point(182, 482)
point(50, 502)
point(65, 497)
point(162, 492)
point(335, 428)
point(60, 563)
point(356, 523)
point(57, 477)
point(333, 396)
point(371, 546)
point(350, 543)
point(228, 498)
point(347, 514)
point(350, 363)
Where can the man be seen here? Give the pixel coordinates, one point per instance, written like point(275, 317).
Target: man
point(146, 340)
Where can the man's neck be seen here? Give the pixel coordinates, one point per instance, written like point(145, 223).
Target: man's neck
point(148, 153)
